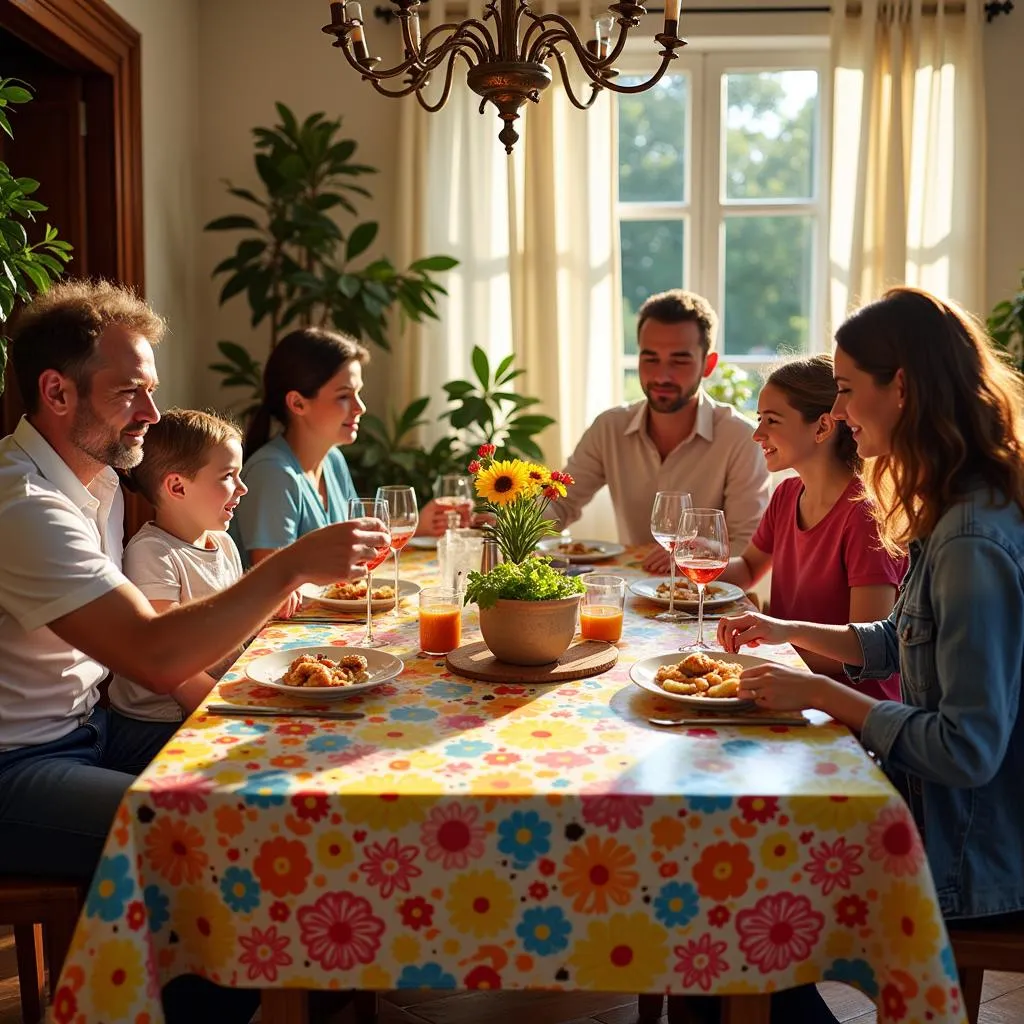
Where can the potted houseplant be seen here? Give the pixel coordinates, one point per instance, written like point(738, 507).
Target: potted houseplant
point(1006, 326)
point(528, 610)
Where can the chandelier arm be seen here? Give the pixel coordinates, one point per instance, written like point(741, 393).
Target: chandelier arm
point(667, 56)
point(595, 87)
point(433, 108)
point(463, 28)
point(418, 68)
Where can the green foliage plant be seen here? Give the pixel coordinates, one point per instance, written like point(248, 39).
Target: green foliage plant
point(530, 580)
point(1006, 326)
point(26, 268)
point(731, 384)
point(484, 410)
point(296, 265)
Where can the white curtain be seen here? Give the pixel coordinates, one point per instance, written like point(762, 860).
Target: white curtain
point(908, 151)
point(535, 237)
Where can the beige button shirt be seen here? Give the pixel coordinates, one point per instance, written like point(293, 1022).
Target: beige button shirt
point(719, 464)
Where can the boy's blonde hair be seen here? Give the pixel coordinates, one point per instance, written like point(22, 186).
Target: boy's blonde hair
point(179, 443)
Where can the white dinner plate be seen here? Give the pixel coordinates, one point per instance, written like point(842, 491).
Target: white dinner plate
point(423, 543)
point(717, 595)
point(643, 672)
point(269, 669)
point(598, 550)
point(313, 593)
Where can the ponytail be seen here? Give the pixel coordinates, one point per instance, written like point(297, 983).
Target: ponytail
point(258, 432)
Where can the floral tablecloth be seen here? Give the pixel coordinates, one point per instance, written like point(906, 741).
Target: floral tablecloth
point(473, 835)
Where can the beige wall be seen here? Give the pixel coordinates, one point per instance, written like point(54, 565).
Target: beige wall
point(251, 54)
point(1004, 86)
point(170, 161)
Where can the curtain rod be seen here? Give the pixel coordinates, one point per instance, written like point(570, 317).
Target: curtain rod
point(993, 8)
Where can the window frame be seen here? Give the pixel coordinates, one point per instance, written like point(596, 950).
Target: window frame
point(704, 208)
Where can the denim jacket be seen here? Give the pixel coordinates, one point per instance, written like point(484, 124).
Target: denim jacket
point(955, 747)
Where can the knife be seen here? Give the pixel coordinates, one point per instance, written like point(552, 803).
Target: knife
point(721, 720)
point(242, 711)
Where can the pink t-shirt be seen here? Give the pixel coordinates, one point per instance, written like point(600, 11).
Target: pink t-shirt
point(813, 570)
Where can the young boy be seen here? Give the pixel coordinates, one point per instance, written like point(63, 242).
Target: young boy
point(190, 474)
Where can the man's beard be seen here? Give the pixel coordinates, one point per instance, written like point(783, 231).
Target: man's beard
point(102, 443)
point(672, 403)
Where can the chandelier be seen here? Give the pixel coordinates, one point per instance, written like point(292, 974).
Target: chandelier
point(507, 58)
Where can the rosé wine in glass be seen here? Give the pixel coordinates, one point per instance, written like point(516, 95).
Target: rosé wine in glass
point(701, 553)
point(372, 508)
point(405, 517)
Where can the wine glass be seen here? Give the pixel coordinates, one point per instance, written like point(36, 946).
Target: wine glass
point(665, 514)
point(702, 553)
point(371, 508)
point(454, 493)
point(405, 517)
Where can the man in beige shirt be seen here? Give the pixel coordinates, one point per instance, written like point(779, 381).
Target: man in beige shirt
point(675, 439)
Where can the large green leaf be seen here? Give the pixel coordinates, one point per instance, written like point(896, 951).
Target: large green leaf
point(230, 222)
point(361, 239)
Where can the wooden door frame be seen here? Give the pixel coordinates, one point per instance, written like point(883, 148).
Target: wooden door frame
point(91, 36)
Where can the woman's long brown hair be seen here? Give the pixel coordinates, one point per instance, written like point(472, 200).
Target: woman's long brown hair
point(963, 417)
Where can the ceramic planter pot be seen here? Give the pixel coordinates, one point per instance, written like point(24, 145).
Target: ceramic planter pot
point(530, 632)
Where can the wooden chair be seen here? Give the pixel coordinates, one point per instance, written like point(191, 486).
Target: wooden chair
point(43, 913)
point(978, 948)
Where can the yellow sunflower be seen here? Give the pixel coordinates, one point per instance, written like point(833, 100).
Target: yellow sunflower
point(623, 954)
point(910, 924)
point(480, 903)
point(115, 978)
point(502, 482)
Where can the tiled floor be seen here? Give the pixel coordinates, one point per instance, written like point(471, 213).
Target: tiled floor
point(1003, 1003)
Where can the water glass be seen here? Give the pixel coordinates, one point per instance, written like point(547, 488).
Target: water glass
point(601, 611)
point(440, 620)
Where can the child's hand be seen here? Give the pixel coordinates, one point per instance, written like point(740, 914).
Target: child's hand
point(291, 605)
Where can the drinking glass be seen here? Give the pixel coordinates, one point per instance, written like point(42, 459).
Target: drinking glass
point(440, 620)
point(702, 553)
point(601, 611)
point(405, 517)
point(665, 515)
point(454, 492)
point(371, 508)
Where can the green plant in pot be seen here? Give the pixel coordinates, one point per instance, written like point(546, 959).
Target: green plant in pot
point(528, 610)
point(1006, 326)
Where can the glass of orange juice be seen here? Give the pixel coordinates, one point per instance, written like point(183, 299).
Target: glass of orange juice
point(440, 620)
point(601, 610)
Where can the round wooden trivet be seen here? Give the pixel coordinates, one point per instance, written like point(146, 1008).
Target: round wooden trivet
point(582, 659)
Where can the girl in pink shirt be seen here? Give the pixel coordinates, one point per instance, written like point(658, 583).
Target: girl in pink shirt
point(817, 535)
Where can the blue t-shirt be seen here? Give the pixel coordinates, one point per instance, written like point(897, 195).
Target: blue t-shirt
point(282, 503)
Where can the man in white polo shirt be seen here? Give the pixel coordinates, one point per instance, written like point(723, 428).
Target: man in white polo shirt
point(83, 359)
point(675, 439)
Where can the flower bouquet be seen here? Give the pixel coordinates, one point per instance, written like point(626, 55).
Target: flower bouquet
point(515, 495)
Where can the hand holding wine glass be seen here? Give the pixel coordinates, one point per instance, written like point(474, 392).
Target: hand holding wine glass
point(702, 554)
point(372, 508)
point(405, 516)
point(453, 492)
point(665, 515)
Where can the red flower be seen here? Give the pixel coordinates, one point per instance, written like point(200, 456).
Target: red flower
point(894, 1006)
point(282, 866)
point(551, 494)
point(340, 931)
point(474, 467)
point(718, 916)
point(264, 953)
point(391, 866)
point(136, 915)
point(181, 793)
point(700, 962)
point(778, 931)
point(279, 911)
point(567, 480)
point(538, 890)
point(611, 812)
point(485, 451)
point(417, 913)
point(556, 476)
point(65, 1005)
point(313, 806)
point(483, 976)
point(451, 835)
point(294, 729)
point(758, 808)
point(833, 866)
point(852, 911)
point(546, 866)
point(894, 840)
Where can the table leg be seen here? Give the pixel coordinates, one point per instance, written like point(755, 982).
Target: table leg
point(365, 1007)
point(649, 1007)
point(747, 1009)
point(284, 1006)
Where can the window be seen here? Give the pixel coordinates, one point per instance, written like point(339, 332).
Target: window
point(722, 190)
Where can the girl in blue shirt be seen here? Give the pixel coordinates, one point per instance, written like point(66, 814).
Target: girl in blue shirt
point(299, 480)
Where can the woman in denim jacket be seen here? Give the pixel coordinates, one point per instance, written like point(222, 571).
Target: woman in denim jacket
point(939, 416)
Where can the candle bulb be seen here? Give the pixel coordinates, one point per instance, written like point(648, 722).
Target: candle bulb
point(414, 28)
point(603, 29)
point(355, 14)
point(672, 12)
point(337, 13)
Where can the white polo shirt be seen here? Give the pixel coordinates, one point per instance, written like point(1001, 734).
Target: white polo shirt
point(60, 548)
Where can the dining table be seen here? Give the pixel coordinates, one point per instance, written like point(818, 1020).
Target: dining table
point(446, 833)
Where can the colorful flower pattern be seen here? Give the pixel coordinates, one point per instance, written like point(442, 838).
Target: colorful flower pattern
point(479, 836)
